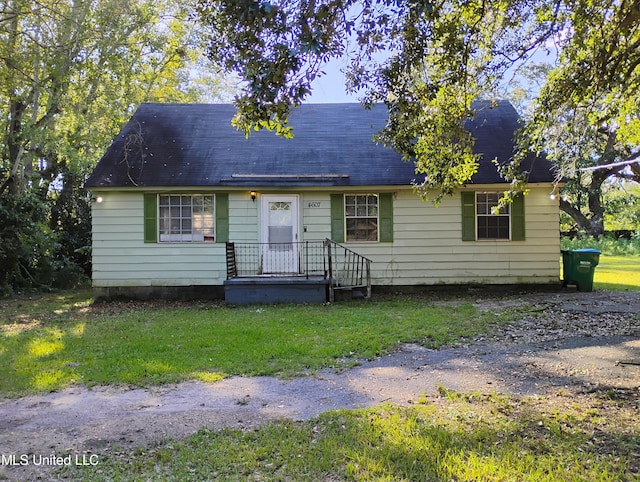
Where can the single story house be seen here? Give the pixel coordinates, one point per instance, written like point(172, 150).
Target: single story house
point(186, 204)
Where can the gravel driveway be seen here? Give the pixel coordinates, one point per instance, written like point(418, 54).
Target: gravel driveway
point(567, 341)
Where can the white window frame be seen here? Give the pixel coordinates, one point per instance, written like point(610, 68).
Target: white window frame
point(177, 218)
point(484, 211)
point(367, 215)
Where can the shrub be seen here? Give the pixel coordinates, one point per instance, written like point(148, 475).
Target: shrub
point(607, 244)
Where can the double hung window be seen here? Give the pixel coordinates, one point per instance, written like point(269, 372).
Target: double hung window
point(483, 219)
point(361, 217)
point(492, 225)
point(186, 218)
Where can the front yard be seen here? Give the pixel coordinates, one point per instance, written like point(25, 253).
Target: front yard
point(55, 341)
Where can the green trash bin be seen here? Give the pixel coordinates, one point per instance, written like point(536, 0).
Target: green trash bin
point(578, 267)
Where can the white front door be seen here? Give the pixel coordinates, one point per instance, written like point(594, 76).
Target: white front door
point(280, 252)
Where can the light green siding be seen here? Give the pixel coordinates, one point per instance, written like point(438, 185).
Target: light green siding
point(316, 211)
point(427, 245)
point(122, 258)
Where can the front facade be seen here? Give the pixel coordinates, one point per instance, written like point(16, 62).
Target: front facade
point(161, 224)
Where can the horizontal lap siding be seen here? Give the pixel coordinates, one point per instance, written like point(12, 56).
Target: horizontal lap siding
point(316, 216)
point(121, 258)
point(428, 246)
point(243, 218)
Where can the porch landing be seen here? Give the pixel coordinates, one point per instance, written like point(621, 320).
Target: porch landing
point(245, 290)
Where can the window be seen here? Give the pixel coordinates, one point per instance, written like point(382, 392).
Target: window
point(488, 224)
point(186, 218)
point(361, 217)
point(344, 214)
point(479, 222)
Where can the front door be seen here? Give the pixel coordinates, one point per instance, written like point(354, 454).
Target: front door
point(280, 250)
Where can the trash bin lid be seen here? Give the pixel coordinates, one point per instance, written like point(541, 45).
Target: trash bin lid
point(586, 250)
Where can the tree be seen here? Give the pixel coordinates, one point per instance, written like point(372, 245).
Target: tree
point(70, 73)
point(587, 116)
point(592, 160)
point(622, 200)
point(427, 60)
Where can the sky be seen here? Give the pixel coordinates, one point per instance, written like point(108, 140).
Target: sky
point(330, 87)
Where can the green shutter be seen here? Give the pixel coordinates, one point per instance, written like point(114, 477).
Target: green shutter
point(150, 218)
point(386, 217)
point(222, 218)
point(517, 218)
point(337, 218)
point(468, 215)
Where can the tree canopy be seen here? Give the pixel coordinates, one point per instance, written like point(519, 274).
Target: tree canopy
point(70, 73)
point(428, 60)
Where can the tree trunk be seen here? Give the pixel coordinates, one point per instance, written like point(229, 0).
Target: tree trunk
point(581, 220)
point(592, 222)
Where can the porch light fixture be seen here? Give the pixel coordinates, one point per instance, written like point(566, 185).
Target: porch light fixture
point(98, 199)
point(253, 195)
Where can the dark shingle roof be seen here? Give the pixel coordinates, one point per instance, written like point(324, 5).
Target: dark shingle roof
point(195, 145)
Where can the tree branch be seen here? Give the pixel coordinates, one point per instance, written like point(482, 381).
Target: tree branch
point(628, 162)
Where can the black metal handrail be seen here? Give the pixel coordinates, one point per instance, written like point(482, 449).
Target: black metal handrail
point(344, 268)
point(302, 258)
point(347, 270)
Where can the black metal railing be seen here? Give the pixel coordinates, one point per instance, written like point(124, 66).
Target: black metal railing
point(304, 258)
point(348, 270)
point(344, 268)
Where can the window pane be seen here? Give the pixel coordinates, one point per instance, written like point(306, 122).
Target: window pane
point(351, 228)
point(493, 227)
point(362, 229)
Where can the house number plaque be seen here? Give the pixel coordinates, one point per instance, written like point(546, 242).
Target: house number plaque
point(314, 204)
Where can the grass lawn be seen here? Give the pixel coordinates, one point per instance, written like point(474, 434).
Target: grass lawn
point(49, 342)
point(52, 341)
point(617, 273)
point(463, 437)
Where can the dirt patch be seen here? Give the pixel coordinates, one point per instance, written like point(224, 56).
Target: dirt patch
point(571, 342)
